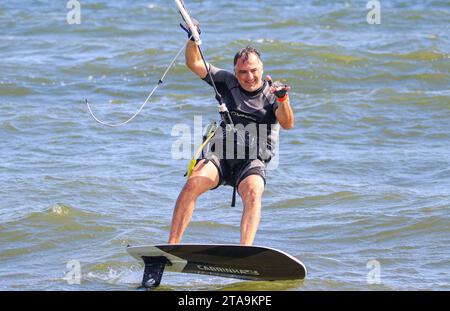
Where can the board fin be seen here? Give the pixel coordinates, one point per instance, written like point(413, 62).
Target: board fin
point(153, 271)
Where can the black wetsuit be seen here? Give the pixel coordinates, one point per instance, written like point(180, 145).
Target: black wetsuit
point(253, 114)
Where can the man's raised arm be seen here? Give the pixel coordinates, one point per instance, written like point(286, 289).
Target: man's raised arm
point(194, 60)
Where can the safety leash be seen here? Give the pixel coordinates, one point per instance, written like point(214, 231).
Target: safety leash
point(160, 81)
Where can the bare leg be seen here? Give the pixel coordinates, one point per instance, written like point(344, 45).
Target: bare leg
point(251, 190)
point(203, 178)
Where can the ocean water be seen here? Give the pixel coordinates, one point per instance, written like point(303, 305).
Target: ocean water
point(361, 192)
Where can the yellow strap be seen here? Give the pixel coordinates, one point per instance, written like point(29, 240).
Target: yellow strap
point(197, 153)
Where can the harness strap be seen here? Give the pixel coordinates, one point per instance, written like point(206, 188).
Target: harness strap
point(233, 199)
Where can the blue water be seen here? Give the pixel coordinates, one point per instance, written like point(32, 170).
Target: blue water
point(363, 177)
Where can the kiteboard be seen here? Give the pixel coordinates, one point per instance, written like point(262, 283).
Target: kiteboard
point(254, 263)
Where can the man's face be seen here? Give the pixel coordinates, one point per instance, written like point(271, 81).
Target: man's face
point(249, 72)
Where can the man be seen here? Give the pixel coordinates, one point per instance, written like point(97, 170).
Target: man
point(250, 100)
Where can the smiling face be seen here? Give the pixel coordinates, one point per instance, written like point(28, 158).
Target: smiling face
point(249, 71)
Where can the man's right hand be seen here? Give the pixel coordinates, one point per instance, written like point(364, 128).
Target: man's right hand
point(189, 32)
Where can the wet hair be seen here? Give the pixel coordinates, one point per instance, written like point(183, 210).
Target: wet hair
point(245, 52)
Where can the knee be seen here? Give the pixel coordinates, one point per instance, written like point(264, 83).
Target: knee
point(194, 187)
point(252, 195)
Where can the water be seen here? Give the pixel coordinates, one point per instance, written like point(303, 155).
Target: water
point(363, 178)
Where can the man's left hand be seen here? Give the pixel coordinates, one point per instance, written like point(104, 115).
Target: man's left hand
point(279, 89)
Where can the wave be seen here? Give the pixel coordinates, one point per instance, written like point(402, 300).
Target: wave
point(419, 55)
point(59, 213)
point(9, 127)
point(7, 89)
point(209, 224)
point(338, 58)
point(59, 218)
point(332, 198)
point(387, 228)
